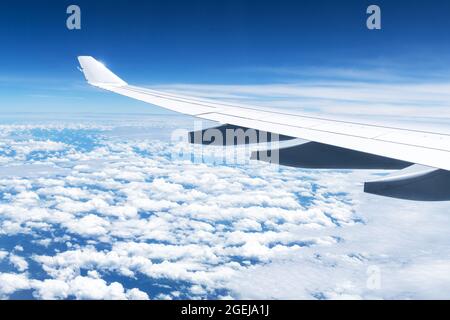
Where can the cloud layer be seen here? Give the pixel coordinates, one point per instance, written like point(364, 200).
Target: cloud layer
point(94, 211)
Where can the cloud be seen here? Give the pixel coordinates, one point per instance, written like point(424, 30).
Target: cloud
point(90, 225)
point(3, 254)
point(349, 96)
point(10, 283)
point(381, 71)
point(19, 262)
point(51, 289)
point(105, 221)
point(98, 289)
point(79, 288)
point(209, 219)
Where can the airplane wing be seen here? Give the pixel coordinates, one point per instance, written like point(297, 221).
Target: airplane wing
point(333, 144)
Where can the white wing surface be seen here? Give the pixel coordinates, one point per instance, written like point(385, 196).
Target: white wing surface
point(425, 148)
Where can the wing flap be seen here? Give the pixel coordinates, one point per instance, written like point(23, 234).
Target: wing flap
point(313, 155)
point(419, 183)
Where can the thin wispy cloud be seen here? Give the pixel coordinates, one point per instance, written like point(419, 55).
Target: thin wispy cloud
point(344, 91)
point(323, 73)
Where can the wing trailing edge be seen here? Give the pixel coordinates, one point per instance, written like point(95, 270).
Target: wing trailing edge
point(419, 183)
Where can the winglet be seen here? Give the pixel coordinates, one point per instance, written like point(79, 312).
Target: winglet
point(97, 74)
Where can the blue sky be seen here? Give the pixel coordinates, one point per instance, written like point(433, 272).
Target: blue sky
point(98, 206)
point(208, 42)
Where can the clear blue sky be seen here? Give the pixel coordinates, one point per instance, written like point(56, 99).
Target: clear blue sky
point(168, 41)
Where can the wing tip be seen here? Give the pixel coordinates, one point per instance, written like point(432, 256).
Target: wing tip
point(97, 74)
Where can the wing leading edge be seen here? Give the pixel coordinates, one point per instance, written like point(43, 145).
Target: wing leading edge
point(348, 141)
